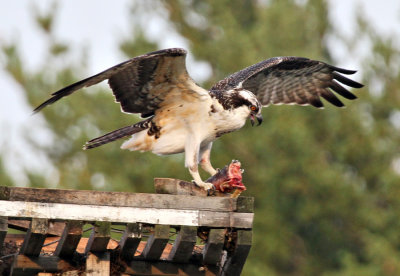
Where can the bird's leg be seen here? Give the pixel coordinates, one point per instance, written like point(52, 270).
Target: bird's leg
point(191, 161)
point(205, 159)
point(197, 179)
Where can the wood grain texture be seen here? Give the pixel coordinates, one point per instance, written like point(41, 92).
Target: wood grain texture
point(245, 204)
point(70, 239)
point(3, 230)
point(35, 237)
point(56, 228)
point(99, 237)
point(130, 241)
point(58, 211)
point(98, 264)
point(212, 251)
point(156, 243)
point(236, 259)
point(65, 211)
point(167, 268)
point(117, 199)
point(31, 265)
point(183, 245)
point(178, 187)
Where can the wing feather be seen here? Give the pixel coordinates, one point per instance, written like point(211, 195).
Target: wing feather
point(292, 80)
point(341, 90)
point(330, 97)
point(346, 81)
point(140, 84)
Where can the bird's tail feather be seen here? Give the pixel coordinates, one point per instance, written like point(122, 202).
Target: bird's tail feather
point(117, 134)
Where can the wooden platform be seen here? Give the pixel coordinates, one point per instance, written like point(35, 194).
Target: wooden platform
point(116, 233)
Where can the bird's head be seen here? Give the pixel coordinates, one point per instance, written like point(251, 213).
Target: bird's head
point(250, 102)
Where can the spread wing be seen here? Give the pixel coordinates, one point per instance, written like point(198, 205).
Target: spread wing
point(142, 83)
point(292, 80)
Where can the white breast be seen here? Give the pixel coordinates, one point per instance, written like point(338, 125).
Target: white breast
point(226, 121)
point(184, 121)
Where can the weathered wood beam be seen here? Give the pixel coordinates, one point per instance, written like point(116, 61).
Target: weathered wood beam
point(23, 209)
point(3, 230)
point(183, 245)
point(130, 241)
point(220, 219)
point(117, 199)
point(70, 239)
point(156, 243)
point(56, 228)
point(24, 265)
point(35, 237)
point(245, 204)
point(235, 261)
point(98, 264)
point(212, 250)
point(99, 237)
point(50, 249)
point(138, 267)
point(174, 186)
point(32, 265)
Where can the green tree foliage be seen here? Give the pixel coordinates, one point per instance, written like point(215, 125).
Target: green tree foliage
point(4, 178)
point(325, 181)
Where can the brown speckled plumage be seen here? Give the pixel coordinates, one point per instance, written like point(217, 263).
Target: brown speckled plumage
point(291, 80)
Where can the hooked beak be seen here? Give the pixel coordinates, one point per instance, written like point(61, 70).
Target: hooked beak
point(258, 117)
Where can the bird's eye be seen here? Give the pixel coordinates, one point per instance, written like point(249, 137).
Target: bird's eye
point(253, 108)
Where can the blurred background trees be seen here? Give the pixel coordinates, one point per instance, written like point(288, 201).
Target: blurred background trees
point(326, 182)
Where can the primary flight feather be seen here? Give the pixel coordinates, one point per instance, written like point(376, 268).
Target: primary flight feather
point(184, 117)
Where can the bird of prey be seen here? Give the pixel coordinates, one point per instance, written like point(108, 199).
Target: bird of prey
point(181, 116)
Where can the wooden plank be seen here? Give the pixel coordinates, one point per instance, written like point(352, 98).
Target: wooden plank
point(222, 219)
point(174, 186)
point(98, 264)
point(56, 228)
point(138, 267)
point(245, 204)
point(235, 261)
point(130, 241)
point(179, 187)
point(70, 239)
point(4, 192)
point(156, 243)
point(35, 237)
point(141, 247)
point(183, 245)
point(50, 249)
point(117, 199)
point(60, 211)
point(212, 250)
point(99, 237)
point(31, 265)
point(241, 220)
point(3, 230)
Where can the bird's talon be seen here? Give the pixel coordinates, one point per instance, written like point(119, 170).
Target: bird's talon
point(205, 185)
point(211, 191)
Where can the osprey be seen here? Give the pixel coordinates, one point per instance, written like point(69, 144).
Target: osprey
point(181, 116)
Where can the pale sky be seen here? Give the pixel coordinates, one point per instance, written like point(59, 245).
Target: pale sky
point(98, 24)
